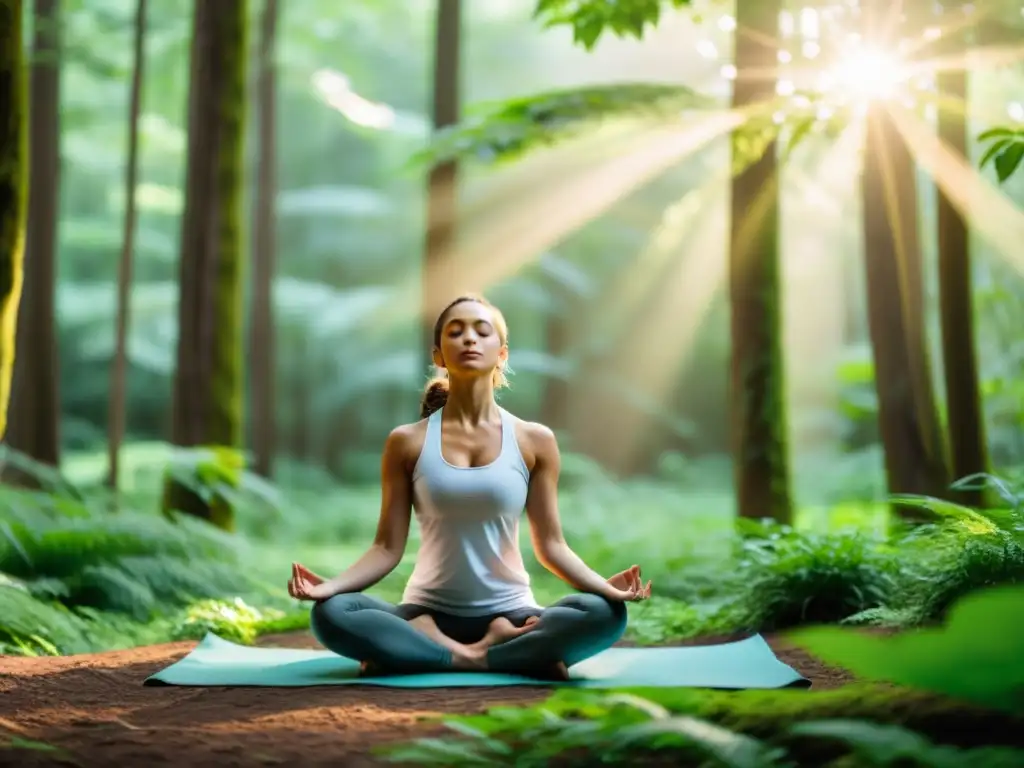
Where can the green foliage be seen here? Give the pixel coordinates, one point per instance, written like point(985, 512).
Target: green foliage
point(1005, 150)
point(505, 131)
point(69, 565)
point(795, 578)
point(975, 656)
point(233, 620)
point(217, 473)
point(761, 729)
point(589, 19)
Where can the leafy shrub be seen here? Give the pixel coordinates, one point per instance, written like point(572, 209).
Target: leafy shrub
point(232, 620)
point(785, 577)
point(72, 570)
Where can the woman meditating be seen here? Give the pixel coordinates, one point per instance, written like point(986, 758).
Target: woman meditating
point(468, 468)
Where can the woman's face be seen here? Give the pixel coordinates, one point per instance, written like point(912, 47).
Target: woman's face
point(470, 342)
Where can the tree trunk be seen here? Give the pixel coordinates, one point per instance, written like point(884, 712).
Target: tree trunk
point(557, 332)
point(207, 399)
point(966, 431)
point(13, 188)
point(35, 400)
point(119, 370)
point(757, 392)
point(908, 417)
point(261, 329)
point(442, 185)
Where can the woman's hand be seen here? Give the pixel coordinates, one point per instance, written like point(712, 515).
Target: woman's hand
point(306, 585)
point(628, 586)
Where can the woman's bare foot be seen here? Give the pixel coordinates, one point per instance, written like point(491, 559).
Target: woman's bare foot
point(464, 657)
point(501, 630)
point(469, 658)
point(557, 671)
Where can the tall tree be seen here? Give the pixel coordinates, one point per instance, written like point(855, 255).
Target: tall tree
point(908, 416)
point(119, 370)
point(966, 431)
point(442, 185)
point(207, 397)
point(261, 322)
point(35, 399)
point(758, 427)
point(557, 341)
point(13, 183)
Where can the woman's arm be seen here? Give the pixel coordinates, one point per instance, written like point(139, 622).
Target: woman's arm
point(545, 526)
point(388, 546)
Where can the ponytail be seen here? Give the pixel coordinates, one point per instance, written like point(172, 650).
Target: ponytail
point(434, 396)
point(436, 393)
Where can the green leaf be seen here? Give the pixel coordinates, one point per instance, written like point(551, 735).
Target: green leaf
point(509, 129)
point(999, 132)
point(994, 150)
point(1009, 160)
point(590, 18)
point(800, 130)
point(943, 508)
point(975, 656)
point(879, 744)
point(727, 748)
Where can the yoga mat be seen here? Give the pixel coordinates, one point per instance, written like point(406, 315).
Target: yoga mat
point(748, 663)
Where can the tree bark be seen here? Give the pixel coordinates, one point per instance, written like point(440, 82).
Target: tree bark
point(34, 427)
point(119, 369)
point(442, 185)
point(966, 430)
point(13, 188)
point(558, 341)
point(262, 370)
point(207, 399)
point(757, 387)
point(908, 417)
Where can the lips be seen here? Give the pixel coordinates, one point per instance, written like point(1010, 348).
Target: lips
point(470, 355)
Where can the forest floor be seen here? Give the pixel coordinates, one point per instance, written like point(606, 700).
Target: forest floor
point(94, 711)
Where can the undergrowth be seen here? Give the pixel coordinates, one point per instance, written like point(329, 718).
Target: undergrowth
point(76, 575)
point(860, 725)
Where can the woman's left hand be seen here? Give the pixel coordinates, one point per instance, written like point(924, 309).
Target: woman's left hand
point(628, 586)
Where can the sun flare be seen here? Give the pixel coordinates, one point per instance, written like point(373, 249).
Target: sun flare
point(866, 73)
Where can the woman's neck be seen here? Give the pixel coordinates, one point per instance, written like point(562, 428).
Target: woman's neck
point(471, 401)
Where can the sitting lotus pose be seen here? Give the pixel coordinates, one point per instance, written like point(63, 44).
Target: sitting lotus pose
point(468, 468)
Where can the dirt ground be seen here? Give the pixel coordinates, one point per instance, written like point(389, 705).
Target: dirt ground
point(95, 709)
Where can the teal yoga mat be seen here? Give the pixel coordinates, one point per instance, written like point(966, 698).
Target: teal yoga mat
point(748, 663)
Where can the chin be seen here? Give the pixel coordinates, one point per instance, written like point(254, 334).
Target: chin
point(474, 368)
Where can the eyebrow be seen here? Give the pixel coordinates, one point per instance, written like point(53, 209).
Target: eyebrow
point(460, 321)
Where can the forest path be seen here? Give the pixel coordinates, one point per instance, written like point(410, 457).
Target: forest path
point(95, 709)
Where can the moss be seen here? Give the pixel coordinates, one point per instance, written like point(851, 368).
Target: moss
point(758, 372)
point(209, 381)
point(226, 409)
point(13, 187)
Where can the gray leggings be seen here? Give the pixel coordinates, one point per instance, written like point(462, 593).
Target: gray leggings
point(365, 628)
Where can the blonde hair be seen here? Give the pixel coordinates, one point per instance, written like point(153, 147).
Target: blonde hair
point(435, 395)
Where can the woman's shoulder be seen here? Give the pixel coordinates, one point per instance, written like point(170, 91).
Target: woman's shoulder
point(536, 440)
point(406, 440)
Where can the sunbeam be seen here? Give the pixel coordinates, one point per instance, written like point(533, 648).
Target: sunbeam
point(991, 213)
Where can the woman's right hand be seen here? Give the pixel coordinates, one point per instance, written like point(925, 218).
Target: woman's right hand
point(306, 585)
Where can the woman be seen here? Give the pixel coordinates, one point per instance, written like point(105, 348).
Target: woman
point(468, 468)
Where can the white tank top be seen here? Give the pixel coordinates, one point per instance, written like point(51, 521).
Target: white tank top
point(469, 562)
